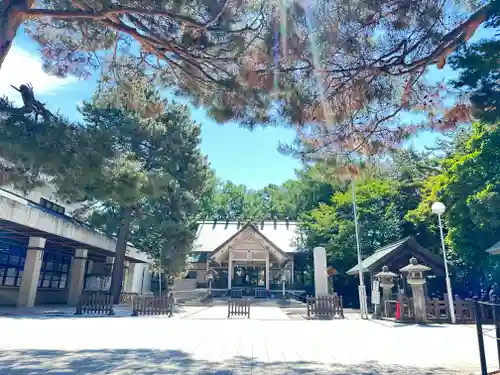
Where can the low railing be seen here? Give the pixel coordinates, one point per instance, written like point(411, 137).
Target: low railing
point(238, 307)
point(260, 293)
point(95, 303)
point(405, 306)
point(325, 307)
point(236, 293)
point(153, 305)
point(438, 311)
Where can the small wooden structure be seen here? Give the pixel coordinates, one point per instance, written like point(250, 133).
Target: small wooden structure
point(239, 307)
point(152, 305)
point(325, 307)
point(397, 255)
point(95, 303)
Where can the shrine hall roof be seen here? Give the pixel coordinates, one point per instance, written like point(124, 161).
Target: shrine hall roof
point(212, 234)
point(495, 249)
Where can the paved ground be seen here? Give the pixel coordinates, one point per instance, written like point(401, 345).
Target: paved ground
point(202, 341)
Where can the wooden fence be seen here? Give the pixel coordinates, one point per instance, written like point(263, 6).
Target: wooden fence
point(405, 309)
point(151, 305)
point(239, 307)
point(95, 303)
point(236, 293)
point(325, 307)
point(438, 311)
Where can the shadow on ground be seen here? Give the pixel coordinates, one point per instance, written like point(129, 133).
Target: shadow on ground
point(147, 362)
point(70, 313)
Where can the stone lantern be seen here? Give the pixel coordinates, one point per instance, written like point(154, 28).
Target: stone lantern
point(416, 280)
point(386, 279)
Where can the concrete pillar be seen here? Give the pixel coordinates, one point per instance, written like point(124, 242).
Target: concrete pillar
point(77, 276)
point(131, 277)
point(31, 272)
point(320, 275)
point(267, 273)
point(230, 270)
point(146, 280)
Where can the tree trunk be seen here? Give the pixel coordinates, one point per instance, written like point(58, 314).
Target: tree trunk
point(10, 20)
point(121, 247)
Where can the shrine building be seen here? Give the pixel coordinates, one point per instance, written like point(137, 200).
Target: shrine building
point(49, 257)
point(250, 256)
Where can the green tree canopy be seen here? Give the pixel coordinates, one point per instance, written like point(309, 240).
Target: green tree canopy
point(469, 186)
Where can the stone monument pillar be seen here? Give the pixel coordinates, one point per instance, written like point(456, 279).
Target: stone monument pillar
point(386, 279)
point(320, 275)
point(416, 280)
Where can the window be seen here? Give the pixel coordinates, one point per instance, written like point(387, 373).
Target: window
point(12, 258)
point(54, 272)
point(52, 206)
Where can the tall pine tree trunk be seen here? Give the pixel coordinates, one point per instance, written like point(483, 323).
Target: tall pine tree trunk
point(121, 247)
point(10, 20)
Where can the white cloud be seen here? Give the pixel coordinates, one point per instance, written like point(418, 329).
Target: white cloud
point(20, 67)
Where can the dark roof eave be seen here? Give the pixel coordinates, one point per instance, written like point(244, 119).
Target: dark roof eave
point(409, 241)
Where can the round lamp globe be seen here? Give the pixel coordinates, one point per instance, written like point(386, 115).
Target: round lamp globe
point(438, 208)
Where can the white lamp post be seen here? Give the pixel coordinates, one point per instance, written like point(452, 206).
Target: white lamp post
point(439, 208)
point(160, 274)
point(363, 304)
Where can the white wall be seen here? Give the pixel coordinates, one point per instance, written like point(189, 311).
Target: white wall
point(140, 281)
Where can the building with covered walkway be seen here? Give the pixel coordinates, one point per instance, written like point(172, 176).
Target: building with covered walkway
point(48, 257)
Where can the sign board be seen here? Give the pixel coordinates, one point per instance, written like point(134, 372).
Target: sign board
point(376, 297)
point(375, 285)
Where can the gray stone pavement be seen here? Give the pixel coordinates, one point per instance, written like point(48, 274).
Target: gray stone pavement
point(203, 341)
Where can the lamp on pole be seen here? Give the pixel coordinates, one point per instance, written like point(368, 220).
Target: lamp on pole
point(363, 303)
point(439, 208)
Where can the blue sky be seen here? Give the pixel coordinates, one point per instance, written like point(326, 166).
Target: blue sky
point(245, 157)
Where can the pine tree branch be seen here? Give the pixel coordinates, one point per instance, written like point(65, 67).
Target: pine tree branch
point(103, 14)
point(31, 105)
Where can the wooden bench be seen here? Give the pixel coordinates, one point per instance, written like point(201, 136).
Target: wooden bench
point(239, 307)
point(325, 307)
point(152, 305)
point(98, 303)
